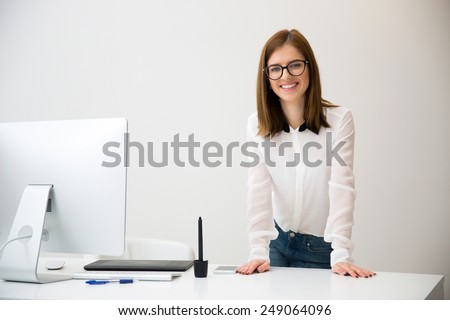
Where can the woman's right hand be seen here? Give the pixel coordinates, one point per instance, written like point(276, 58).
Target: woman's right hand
point(256, 265)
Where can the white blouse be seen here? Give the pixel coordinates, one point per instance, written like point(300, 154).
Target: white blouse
point(304, 181)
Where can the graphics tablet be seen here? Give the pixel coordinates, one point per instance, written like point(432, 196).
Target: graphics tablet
point(140, 265)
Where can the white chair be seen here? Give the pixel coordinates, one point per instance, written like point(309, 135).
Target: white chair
point(157, 249)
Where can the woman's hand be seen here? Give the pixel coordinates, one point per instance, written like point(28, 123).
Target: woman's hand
point(258, 265)
point(349, 269)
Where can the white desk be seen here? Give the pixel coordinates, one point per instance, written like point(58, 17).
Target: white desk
point(279, 283)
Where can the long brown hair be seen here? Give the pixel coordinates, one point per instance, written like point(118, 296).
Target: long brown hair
point(271, 118)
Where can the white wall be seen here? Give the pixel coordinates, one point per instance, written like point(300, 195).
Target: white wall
point(190, 67)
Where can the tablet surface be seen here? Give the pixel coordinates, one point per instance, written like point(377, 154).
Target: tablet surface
point(140, 265)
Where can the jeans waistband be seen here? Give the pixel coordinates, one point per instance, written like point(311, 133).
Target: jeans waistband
point(293, 234)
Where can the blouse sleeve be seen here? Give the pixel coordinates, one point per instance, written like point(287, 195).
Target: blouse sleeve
point(259, 200)
point(338, 229)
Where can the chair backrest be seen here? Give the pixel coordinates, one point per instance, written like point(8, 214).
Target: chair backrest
point(157, 249)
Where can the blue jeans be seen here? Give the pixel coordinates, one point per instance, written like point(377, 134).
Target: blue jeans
point(292, 249)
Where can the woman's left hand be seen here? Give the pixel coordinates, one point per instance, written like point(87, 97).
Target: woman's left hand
point(349, 269)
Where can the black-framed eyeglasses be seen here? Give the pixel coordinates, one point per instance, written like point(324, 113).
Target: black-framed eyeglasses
point(295, 68)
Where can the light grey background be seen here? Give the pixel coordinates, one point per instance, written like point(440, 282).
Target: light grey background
point(190, 67)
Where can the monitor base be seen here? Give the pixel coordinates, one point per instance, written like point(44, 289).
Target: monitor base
point(19, 259)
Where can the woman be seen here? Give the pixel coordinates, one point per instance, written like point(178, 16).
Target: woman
point(301, 191)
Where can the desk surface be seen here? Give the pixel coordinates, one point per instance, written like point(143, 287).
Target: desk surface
point(278, 283)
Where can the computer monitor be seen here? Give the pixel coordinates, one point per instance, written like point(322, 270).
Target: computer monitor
point(55, 186)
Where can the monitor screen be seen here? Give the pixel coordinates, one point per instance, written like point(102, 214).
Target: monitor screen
point(87, 201)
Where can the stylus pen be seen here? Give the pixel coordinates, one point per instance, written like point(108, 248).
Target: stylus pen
point(200, 239)
point(93, 282)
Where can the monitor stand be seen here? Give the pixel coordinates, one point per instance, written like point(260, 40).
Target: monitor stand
point(20, 257)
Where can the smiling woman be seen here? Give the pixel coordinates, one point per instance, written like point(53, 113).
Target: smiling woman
point(300, 216)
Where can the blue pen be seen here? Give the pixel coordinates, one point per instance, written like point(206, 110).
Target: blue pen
point(122, 281)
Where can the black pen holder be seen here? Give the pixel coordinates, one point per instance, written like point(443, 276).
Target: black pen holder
point(201, 268)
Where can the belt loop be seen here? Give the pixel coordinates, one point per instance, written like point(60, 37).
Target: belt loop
point(304, 239)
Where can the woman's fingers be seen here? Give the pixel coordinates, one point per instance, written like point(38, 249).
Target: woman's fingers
point(348, 269)
point(259, 265)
